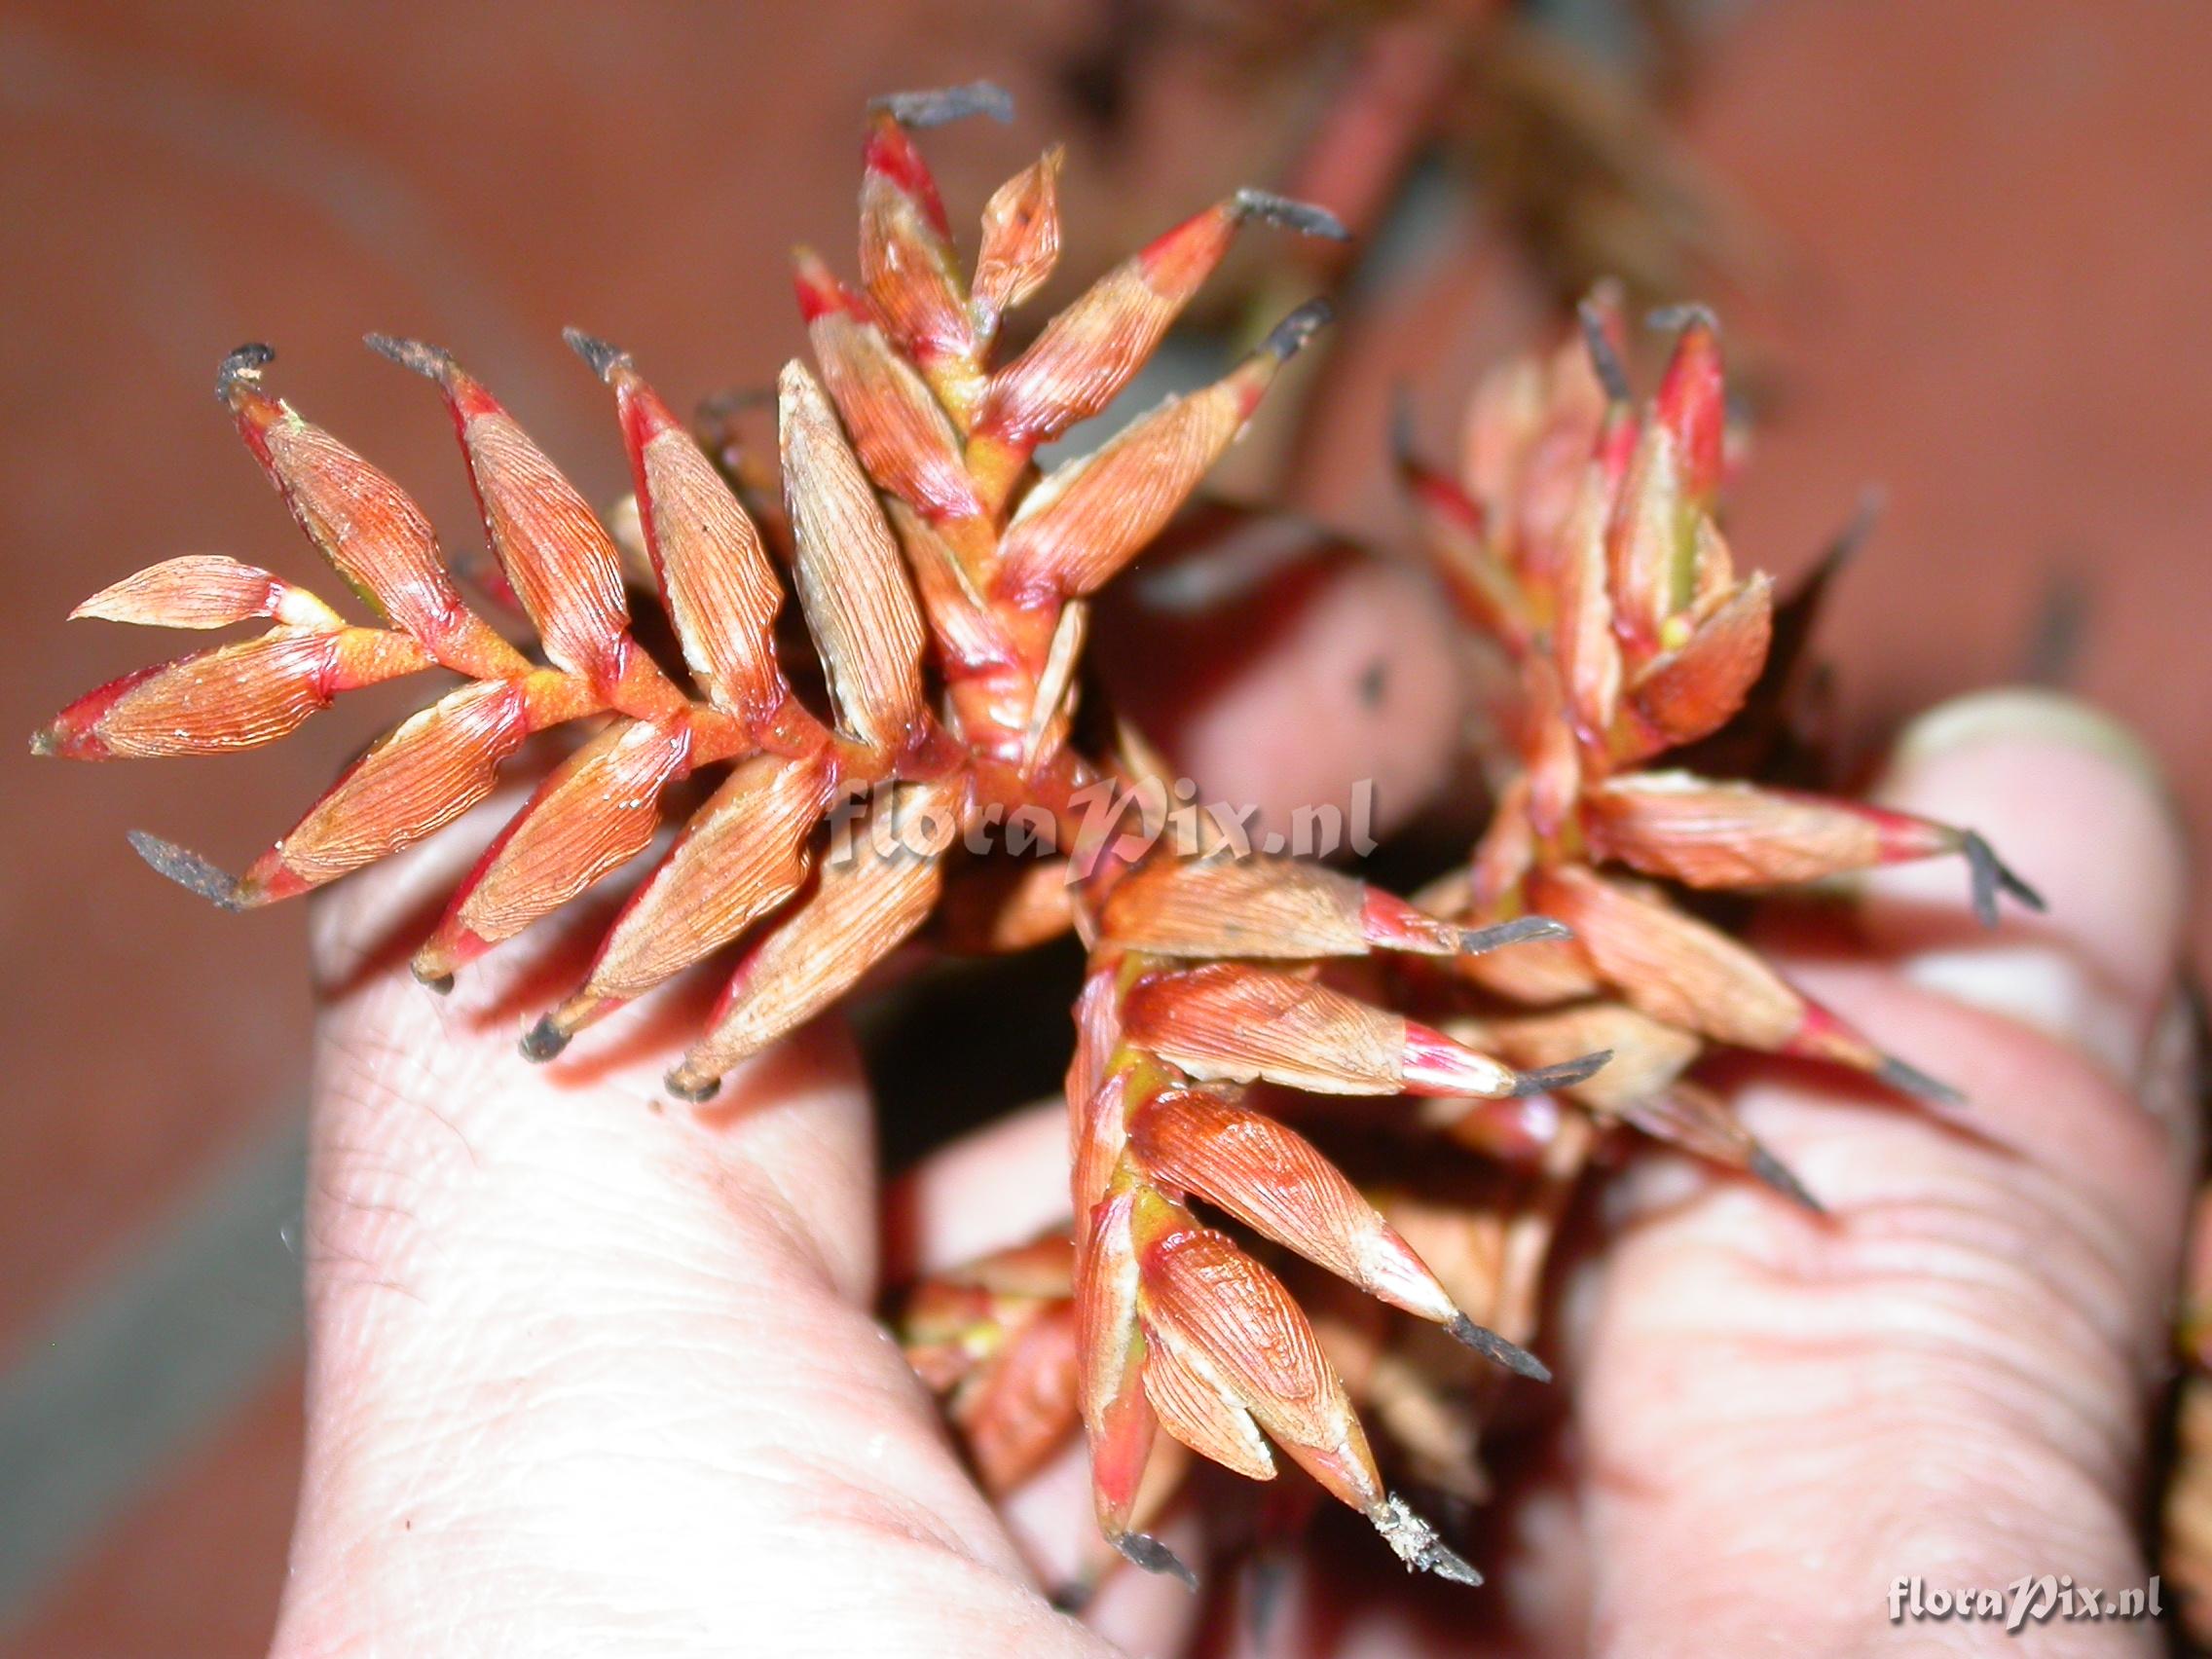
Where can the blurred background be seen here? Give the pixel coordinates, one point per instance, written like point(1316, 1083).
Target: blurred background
point(1960, 245)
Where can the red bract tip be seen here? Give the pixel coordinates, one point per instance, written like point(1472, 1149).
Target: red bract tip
point(1179, 260)
point(889, 154)
point(1693, 401)
point(820, 293)
point(1600, 324)
point(1434, 1064)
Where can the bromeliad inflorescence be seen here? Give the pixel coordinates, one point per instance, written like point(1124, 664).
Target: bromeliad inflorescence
point(1580, 537)
point(945, 581)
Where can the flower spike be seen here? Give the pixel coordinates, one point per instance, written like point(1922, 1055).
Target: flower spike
point(853, 772)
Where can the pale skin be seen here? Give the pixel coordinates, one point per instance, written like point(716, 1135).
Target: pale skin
point(595, 1373)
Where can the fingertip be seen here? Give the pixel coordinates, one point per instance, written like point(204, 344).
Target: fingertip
point(1280, 667)
point(2079, 812)
point(997, 1187)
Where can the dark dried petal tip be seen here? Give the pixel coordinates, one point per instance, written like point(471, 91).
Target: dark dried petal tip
point(244, 364)
point(1857, 529)
point(694, 1091)
point(1074, 1596)
point(1604, 359)
point(1990, 878)
point(189, 871)
point(1284, 340)
point(593, 351)
point(1405, 436)
point(1303, 217)
point(1566, 1075)
point(1912, 1079)
point(430, 362)
point(1416, 1544)
point(543, 1041)
point(1521, 930)
point(1491, 1346)
point(1666, 320)
point(1149, 1553)
point(1778, 1175)
point(935, 107)
point(1266, 1577)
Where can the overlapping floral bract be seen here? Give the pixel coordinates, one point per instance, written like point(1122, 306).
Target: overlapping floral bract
point(944, 582)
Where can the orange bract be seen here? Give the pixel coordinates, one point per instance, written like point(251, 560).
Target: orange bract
point(1580, 535)
point(944, 582)
point(1579, 539)
point(943, 579)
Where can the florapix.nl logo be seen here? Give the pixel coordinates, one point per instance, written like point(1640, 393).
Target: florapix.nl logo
point(893, 821)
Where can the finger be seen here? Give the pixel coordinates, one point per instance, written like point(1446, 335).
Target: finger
point(2100, 961)
point(1279, 667)
point(981, 1193)
point(588, 1374)
point(999, 1186)
point(1949, 1377)
point(1002, 1186)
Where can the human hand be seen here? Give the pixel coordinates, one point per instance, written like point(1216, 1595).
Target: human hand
point(591, 1373)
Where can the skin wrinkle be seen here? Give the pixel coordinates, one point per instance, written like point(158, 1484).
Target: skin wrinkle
point(1818, 1290)
point(1982, 1313)
point(1957, 1282)
point(575, 1184)
point(550, 1400)
point(714, 1309)
point(760, 1191)
point(631, 1167)
point(1961, 1224)
point(1946, 1507)
point(2039, 1127)
point(2031, 1453)
point(1920, 1361)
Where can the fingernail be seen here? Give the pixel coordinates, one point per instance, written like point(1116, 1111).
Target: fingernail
point(2075, 802)
point(2029, 713)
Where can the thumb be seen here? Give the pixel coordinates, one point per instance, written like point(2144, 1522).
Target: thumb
point(587, 1375)
point(1949, 1377)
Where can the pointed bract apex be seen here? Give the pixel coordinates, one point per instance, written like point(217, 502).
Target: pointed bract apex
point(1857, 529)
point(1669, 319)
point(1493, 1347)
point(1303, 217)
point(243, 364)
point(189, 871)
point(1912, 1079)
point(819, 292)
point(1991, 877)
point(939, 106)
point(543, 1041)
point(1521, 930)
point(1287, 337)
point(596, 353)
point(1416, 1544)
point(1566, 1075)
point(695, 1092)
point(1778, 1175)
point(432, 362)
point(1605, 361)
point(1072, 1597)
point(1144, 1550)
